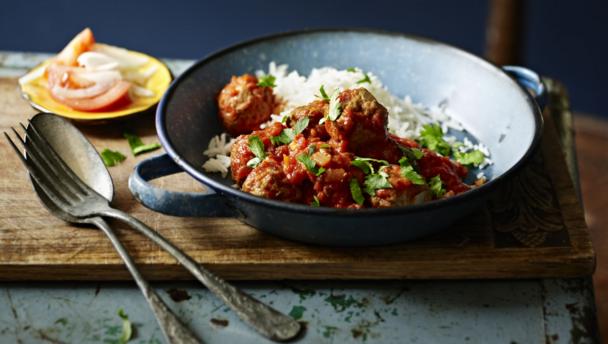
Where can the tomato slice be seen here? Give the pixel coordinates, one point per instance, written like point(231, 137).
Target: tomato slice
point(116, 96)
point(82, 42)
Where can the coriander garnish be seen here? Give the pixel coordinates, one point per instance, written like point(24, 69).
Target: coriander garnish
point(310, 164)
point(335, 108)
point(355, 192)
point(267, 81)
point(436, 186)
point(324, 95)
point(431, 137)
point(257, 148)
point(474, 157)
point(376, 181)
point(365, 164)
point(365, 79)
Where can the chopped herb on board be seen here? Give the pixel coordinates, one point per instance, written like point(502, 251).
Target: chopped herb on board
point(137, 146)
point(112, 158)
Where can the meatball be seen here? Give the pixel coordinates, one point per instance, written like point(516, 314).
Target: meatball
point(243, 105)
point(315, 111)
point(361, 127)
point(240, 152)
point(268, 180)
point(403, 191)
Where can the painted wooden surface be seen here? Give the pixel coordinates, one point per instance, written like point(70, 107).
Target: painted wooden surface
point(522, 311)
point(533, 227)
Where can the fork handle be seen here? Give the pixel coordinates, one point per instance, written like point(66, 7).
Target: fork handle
point(263, 318)
point(172, 328)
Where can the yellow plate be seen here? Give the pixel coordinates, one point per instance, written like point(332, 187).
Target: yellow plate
point(35, 91)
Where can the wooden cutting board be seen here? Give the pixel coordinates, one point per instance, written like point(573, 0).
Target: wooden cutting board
point(533, 227)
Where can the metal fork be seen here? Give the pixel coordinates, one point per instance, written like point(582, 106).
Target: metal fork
point(76, 198)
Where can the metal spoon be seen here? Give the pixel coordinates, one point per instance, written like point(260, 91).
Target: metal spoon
point(78, 153)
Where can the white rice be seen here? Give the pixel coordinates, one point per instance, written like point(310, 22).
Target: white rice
point(405, 118)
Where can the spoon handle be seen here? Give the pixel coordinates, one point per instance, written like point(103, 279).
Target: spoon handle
point(263, 318)
point(173, 330)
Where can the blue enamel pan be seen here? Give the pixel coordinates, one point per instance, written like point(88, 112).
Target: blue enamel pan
point(498, 106)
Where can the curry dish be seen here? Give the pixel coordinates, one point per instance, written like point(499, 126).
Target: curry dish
point(334, 152)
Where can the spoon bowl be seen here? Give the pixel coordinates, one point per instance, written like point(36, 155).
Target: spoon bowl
point(78, 153)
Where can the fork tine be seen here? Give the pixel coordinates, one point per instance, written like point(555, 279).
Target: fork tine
point(35, 173)
point(58, 161)
point(33, 152)
point(54, 161)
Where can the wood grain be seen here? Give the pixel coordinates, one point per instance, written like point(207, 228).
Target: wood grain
point(36, 246)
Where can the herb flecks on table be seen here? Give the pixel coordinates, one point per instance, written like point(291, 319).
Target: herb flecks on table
point(112, 158)
point(137, 145)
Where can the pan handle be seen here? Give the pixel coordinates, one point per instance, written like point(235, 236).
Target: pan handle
point(530, 81)
point(187, 204)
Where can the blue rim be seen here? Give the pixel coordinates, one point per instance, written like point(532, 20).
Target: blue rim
point(446, 202)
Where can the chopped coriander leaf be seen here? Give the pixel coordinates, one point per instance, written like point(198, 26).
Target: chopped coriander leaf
point(431, 137)
point(418, 153)
point(112, 158)
point(301, 125)
point(413, 176)
point(355, 192)
point(437, 186)
point(267, 81)
point(324, 95)
point(365, 79)
point(474, 157)
point(365, 164)
point(127, 327)
point(285, 137)
point(256, 146)
point(284, 119)
point(137, 146)
point(324, 145)
point(376, 181)
point(351, 69)
point(315, 202)
point(335, 108)
point(404, 161)
point(310, 164)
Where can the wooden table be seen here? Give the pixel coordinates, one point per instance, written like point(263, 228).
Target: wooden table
point(520, 311)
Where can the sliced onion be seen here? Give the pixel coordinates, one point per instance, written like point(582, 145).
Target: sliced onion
point(102, 76)
point(125, 58)
point(140, 77)
point(91, 60)
point(141, 91)
point(81, 93)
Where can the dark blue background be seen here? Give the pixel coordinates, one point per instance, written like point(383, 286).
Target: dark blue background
point(563, 39)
